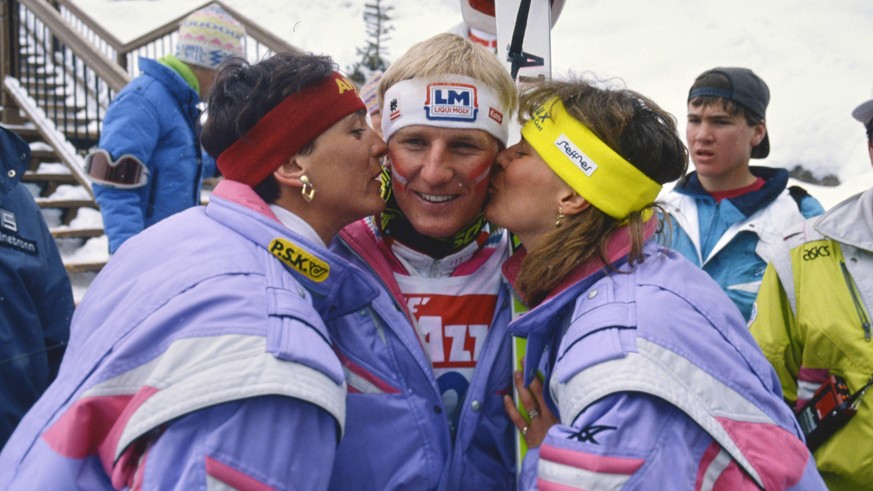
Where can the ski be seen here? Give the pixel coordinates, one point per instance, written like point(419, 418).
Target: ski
point(524, 38)
point(524, 46)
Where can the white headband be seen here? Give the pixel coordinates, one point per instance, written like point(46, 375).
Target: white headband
point(449, 101)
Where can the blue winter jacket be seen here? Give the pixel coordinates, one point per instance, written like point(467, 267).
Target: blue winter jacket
point(153, 119)
point(397, 433)
point(657, 384)
point(36, 302)
point(733, 240)
point(198, 359)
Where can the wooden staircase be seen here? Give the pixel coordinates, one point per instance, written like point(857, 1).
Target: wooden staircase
point(69, 209)
point(54, 59)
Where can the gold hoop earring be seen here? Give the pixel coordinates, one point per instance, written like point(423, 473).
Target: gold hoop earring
point(560, 219)
point(308, 190)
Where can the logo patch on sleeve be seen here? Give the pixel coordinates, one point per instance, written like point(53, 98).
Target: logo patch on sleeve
point(295, 257)
point(495, 115)
point(7, 220)
point(15, 241)
point(394, 109)
point(451, 102)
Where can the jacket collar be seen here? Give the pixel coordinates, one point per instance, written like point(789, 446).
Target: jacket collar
point(173, 81)
point(540, 333)
point(14, 160)
point(775, 181)
point(850, 222)
point(343, 290)
point(183, 70)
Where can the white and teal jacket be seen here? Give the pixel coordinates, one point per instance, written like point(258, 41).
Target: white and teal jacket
point(734, 239)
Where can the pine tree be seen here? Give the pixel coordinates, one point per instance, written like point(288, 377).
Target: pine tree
point(377, 16)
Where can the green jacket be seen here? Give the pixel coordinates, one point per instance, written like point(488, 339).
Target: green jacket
point(812, 320)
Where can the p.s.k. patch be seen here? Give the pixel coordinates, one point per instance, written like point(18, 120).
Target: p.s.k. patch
point(297, 258)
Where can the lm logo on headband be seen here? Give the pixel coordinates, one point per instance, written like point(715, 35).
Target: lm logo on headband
point(451, 102)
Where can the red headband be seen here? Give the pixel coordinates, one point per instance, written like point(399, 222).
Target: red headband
point(287, 128)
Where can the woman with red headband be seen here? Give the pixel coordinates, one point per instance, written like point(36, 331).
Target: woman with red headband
point(199, 357)
point(649, 368)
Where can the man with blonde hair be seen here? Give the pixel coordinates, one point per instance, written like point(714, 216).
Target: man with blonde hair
point(428, 364)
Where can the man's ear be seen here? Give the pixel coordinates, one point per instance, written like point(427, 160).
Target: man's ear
point(760, 133)
point(290, 172)
point(870, 149)
point(572, 203)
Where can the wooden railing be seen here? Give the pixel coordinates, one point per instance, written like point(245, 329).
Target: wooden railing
point(161, 40)
point(70, 67)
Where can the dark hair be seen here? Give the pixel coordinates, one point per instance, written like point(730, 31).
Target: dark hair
point(641, 132)
point(869, 128)
point(719, 81)
point(243, 93)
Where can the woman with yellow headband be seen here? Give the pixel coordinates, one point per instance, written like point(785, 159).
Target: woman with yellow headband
point(652, 379)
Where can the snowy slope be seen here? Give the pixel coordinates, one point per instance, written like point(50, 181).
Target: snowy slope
point(814, 54)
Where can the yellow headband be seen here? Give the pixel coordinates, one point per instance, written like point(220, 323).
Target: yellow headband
point(598, 174)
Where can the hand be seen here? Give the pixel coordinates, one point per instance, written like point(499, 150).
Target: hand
point(541, 419)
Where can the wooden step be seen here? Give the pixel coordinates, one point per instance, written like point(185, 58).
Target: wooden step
point(40, 155)
point(39, 82)
point(28, 133)
point(64, 203)
point(53, 177)
point(76, 233)
point(84, 267)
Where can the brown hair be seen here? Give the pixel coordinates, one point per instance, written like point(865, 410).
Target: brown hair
point(630, 124)
point(243, 93)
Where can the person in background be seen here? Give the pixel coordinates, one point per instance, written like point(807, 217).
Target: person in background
point(728, 217)
point(813, 323)
point(36, 303)
point(149, 163)
point(428, 363)
point(650, 369)
point(370, 95)
point(199, 357)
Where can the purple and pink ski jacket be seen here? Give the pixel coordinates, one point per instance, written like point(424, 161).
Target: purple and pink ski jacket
point(198, 360)
point(657, 384)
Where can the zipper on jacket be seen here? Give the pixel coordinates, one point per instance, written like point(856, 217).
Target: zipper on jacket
point(859, 304)
point(434, 269)
point(709, 246)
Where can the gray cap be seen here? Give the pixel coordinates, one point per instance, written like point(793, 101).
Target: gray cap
point(864, 112)
point(747, 90)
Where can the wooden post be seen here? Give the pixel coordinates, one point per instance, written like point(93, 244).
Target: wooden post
point(9, 58)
